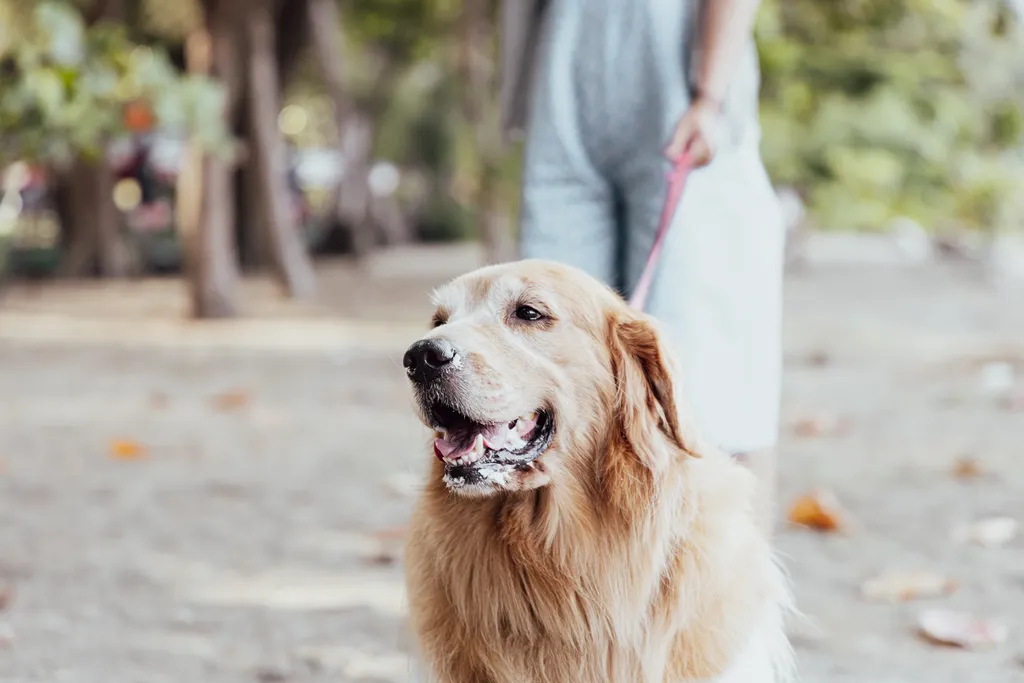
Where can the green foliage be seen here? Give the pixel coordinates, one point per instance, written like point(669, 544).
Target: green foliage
point(884, 108)
point(64, 87)
point(403, 30)
point(405, 66)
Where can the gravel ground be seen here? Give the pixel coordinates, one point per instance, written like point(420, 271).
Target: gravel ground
point(225, 507)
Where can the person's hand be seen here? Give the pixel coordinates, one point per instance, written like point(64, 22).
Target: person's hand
point(696, 133)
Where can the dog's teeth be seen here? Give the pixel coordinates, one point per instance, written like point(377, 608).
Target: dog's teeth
point(478, 445)
point(528, 417)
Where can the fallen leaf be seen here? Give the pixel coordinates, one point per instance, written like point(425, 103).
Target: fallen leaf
point(990, 532)
point(960, 629)
point(231, 400)
point(819, 510)
point(821, 425)
point(391, 542)
point(966, 467)
point(126, 449)
point(818, 359)
point(1013, 401)
point(901, 586)
point(269, 674)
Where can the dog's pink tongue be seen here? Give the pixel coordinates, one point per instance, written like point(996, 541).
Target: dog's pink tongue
point(443, 448)
point(454, 445)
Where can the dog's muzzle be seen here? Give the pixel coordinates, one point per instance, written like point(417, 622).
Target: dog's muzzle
point(428, 359)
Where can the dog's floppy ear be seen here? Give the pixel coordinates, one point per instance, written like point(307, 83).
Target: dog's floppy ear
point(645, 387)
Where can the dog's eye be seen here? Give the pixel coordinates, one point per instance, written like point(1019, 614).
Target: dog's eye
point(528, 313)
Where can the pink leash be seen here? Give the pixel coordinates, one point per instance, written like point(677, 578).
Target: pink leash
point(676, 180)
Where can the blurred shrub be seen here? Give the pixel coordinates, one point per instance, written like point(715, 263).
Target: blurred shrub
point(882, 108)
point(67, 89)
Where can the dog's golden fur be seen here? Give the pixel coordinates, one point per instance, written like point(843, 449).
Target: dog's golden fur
point(630, 551)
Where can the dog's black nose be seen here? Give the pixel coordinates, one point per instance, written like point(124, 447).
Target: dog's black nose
point(427, 358)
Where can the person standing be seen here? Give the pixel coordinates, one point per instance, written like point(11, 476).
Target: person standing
point(606, 92)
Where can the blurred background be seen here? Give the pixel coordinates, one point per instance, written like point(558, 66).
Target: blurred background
point(219, 222)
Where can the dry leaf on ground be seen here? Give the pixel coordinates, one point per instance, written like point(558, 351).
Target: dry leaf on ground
point(818, 359)
point(391, 542)
point(900, 586)
point(821, 425)
point(819, 510)
point(231, 400)
point(960, 629)
point(126, 449)
point(966, 467)
point(990, 532)
point(1013, 401)
point(270, 674)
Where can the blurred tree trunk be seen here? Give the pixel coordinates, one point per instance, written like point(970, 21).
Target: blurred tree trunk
point(104, 9)
point(478, 110)
point(293, 36)
point(251, 232)
point(95, 244)
point(292, 262)
point(206, 212)
point(292, 30)
point(355, 133)
point(88, 214)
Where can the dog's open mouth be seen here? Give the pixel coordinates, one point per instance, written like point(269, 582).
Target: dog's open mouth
point(474, 452)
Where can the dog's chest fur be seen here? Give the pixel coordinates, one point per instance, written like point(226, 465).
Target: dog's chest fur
point(508, 593)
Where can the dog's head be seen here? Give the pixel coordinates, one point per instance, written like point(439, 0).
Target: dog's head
point(533, 367)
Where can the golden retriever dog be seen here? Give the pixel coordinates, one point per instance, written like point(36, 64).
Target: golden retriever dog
point(575, 527)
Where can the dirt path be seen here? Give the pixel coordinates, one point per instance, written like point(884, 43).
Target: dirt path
point(252, 538)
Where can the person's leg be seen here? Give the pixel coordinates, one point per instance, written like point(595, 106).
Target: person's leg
point(718, 294)
point(566, 214)
point(568, 208)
